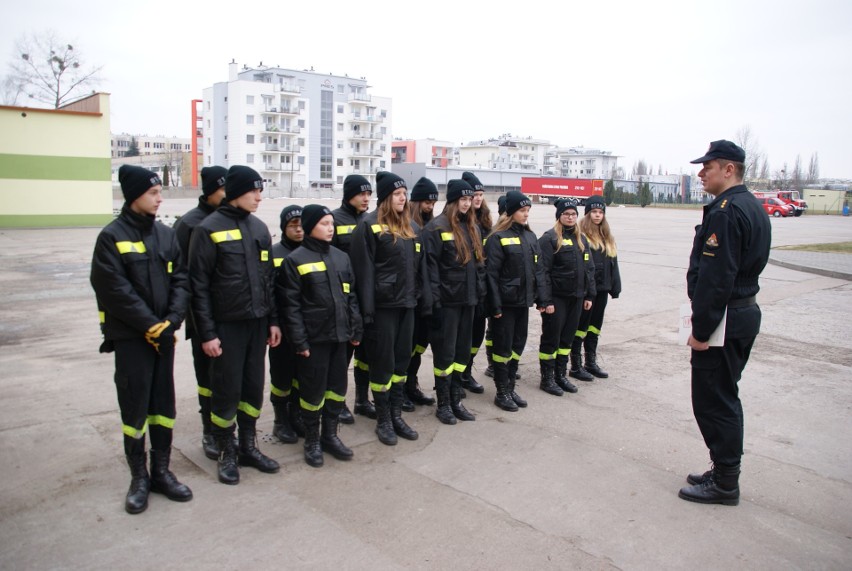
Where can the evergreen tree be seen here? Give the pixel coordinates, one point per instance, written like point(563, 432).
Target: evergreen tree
point(644, 194)
point(133, 149)
point(609, 192)
point(165, 176)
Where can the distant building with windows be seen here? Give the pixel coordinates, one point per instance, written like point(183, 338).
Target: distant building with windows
point(505, 153)
point(579, 162)
point(427, 151)
point(120, 144)
point(299, 129)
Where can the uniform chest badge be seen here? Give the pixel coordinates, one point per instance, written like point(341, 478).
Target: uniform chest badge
point(712, 241)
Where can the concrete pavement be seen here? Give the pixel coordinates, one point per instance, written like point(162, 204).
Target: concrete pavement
point(585, 481)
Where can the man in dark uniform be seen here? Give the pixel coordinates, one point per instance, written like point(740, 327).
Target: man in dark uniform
point(730, 250)
point(213, 192)
point(356, 201)
point(141, 287)
point(231, 272)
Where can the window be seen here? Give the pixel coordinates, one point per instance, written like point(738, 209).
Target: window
point(249, 99)
point(383, 114)
point(301, 160)
point(301, 141)
point(249, 119)
point(340, 180)
point(147, 145)
point(340, 127)
point(340, 162)
point(301, 123)
point(381, 164)
point(340, 88)
point(249, 158)
point(340, 108)
point(250, 139)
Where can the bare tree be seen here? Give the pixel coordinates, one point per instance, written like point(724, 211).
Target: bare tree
point(813, 169)
point(764, 170)
point(745, 139)
point(797, 177)
point(49, 71)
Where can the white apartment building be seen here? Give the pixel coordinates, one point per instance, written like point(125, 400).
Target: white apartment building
point(159, 145)
point(579, 162)
point(505, 153)
point(299, 129)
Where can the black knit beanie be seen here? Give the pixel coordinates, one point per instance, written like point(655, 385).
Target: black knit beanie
point(212, 179)
point(472, 180)
point(501, 204)
point(595, 202)
point(135, 181)
point(424, 189)
point(387, 183)
point(311, 215)
point(456, 188)
point(240, 180)
point(355, 184)
point(290, 212)
point(564, 204)
point(515, 201)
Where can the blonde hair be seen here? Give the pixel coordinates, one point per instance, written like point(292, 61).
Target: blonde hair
point(559, 229)
point(463, 253)
point(398, 223)
point(416, 213)
point(599, 235)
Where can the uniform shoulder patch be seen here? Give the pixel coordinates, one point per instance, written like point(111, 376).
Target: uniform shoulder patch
point(724, 203)
point(712, 241)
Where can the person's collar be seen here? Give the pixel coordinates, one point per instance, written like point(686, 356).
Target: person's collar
point(233, 211)
point(316, 245)
point(141, 221)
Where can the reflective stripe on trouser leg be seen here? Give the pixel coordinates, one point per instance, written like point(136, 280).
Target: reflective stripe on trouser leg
point(237, 376)
point(451, 345)
point(322, 376)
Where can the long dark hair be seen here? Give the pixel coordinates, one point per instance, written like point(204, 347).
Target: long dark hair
point(463, 252)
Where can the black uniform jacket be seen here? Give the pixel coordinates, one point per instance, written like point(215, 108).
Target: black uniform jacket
point(569, 272)
point(730, 249)
point(316, 290)
point(183, 229)
point(513, 268)
point(390, 272)
point(346, 218)
point(138, 276)
point(607, 276)
point(452, 283)
point(230, 268)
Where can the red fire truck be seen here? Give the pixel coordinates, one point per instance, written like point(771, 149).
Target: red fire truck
point(790, 197)
point(547, 189)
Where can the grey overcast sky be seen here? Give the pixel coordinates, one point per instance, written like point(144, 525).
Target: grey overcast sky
point(655, 80)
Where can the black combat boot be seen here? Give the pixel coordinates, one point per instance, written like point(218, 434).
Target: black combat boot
point(208, 441)
point(577, 371)
point(281, 428)
point(561, 375)
point(329, 440)
point(503, 399)
point(162, 479)
point(363, 406)
point(229, 472)
point(721, 487)
point(407, 404)
point(489, 356)
point(467, 380)
point(136, 500)
point(250, 455)
point(313, 448)
point(591, 345)
point(697, 478)
point(293, 408)
point(400, 427)
point(548, 384)
point(513, 376)
point(444, 411)
point(413, 391)
point(384, 424)
point(459, 411)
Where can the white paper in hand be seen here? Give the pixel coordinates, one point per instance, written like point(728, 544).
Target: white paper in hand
point(717, 339)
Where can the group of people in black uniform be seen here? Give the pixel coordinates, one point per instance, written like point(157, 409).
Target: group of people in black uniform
point(378, 286)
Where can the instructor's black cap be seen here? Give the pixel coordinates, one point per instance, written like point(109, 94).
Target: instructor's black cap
point(311, 215)
point(387, 183)
point(135, 181)
point(240, 180)
point(456, 188)
point(355, 184)
point(725, 150)
point(595, 202)
point(472, 180)
point(424, 189)
point(564, 204)
point(212, 179)
point(515, 201)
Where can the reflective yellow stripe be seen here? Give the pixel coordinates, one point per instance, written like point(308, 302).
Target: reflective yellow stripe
point(484, 240)
point(101, 317)
point(133, 433)
point(361, 365)
point(562, 351)
point(567, 242)
point(418, 350)
point(535, 258)
point(264, 255)
point(296, 384)
point(489, 343)
point(460, 367)
point(345, 287)
point(593, 329)
point(131, 247)
point(226, 236)
point(221, 422)
point(331, 395)
point(474, 350)
point(169, 267)
point(586, 257)
point(546, 357)
point(312, 407)
point(509, 241)
point(580, 334)
point(312, 267)
point(248, 409)
point(445, 373)
point(446, 236)
point(398, 379)
point(417, 246)
point(277, 261)
point(160, 420)
point(379, 228)
point(205, 392)
point(345, 229)
point(498, 359)
point(515, 356)
point(377, 388)
point(277, 392)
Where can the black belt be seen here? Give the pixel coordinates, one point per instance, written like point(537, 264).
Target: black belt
point(744, 302)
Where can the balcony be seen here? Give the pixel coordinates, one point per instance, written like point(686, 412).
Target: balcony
point(359, 118)
point(270, 128)
point(272, 147)
point(270, 111)
point(284, 168)
point(291, 129)
point(359, 98)
point(291, 149)
point(288, 88)
point(366, 136)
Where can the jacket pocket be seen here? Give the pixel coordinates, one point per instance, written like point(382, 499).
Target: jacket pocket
point(453, 285)
point(386, 289)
